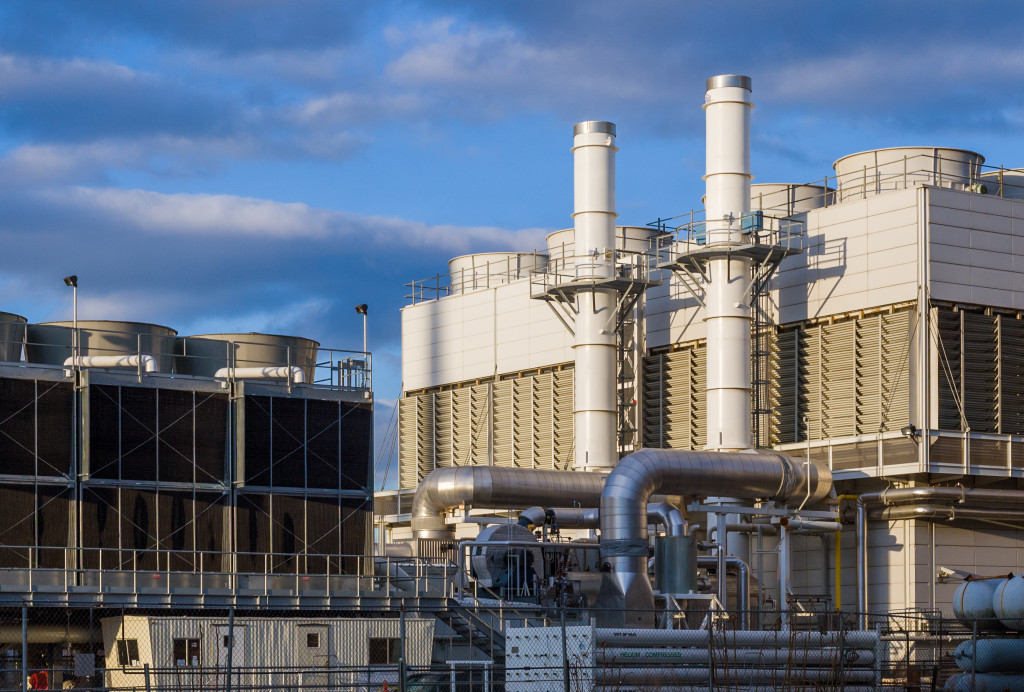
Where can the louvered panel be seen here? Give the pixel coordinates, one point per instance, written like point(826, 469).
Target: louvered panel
point(444, 447)
point(408, 463)
point(522, 432)
point(981, 371)
point(653, 400)
point(895, 369)
point(425, 434)
point(676, 400)
point(480, 428)
point(783, 383)
point(949, 368)
point(809, 383)
point(502, 423)
point(461, 427)
point(868, 374)
point(838, 379)
point(562, 422)
point(542, 416)
point(1011, 372)
point(698, 399)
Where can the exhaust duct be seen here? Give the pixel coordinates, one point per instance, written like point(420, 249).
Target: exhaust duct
point(626, 596)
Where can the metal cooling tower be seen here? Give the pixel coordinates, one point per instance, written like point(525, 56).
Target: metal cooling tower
point(12, 336)
point(50, 343)
point(204, 354)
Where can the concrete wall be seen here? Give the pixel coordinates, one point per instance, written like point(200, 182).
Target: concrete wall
point(480, 334)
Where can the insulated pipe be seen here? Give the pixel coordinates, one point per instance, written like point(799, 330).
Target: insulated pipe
point(742, 581)
point(147, 362)
point(625, 588)
point(828, 656)
point(590, 518)
point(928, 512)
point(50, 634)
point(595, 419)
point(733, 639)
point(496, 488)
point(281, 372)
point(798, 525)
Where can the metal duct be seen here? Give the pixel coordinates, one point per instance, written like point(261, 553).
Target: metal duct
point(496, 488)
point(966, 507)
point(594, 409)
point(625, 589)
point(590, 517)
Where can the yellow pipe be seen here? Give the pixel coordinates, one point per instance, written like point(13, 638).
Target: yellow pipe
point(839, 557)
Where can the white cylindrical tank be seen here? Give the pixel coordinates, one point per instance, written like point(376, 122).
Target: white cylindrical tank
point(785, 199)
point(627, 239)
point(594, 380)
point(874, 172)
point(972, 602)
point(1008, 603)
point(1011, 179)
point(488, 269)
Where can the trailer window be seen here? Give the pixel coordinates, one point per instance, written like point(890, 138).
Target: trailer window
point(384, 652)
point(128, 652)
point(312, 640)
point(186, 653)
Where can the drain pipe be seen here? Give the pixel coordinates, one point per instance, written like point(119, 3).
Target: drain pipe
point(135, 360)
point(495, 487)
point(281, 372)
point(625, 595)
point(742, 581)
point(965, 506)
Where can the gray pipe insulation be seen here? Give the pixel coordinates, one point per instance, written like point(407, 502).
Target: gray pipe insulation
point(920, 503)
point(496, 488)
point(590, 517)
point(625, 589)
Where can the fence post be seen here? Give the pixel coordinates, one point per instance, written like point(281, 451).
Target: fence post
point(145, 674)
point(231, 645)
point(24, 648)
point(565, 655)
point(401, 643)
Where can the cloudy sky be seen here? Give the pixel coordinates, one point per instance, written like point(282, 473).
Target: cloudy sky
point(264, 165)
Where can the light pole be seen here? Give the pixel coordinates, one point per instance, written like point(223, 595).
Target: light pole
point(362, 310)
point(72, 281)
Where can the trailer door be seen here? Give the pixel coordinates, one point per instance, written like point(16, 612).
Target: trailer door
point(312, 654)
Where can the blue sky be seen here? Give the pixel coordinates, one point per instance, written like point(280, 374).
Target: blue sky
point(264, 165)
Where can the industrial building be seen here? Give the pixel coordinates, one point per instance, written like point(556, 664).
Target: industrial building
point(873, 325)
point(143, 469)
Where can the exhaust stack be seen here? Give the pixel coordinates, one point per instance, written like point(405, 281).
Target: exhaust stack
point(727, 107)
point(594, 410)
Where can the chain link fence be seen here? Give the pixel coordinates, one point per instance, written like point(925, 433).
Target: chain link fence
point(494, 648)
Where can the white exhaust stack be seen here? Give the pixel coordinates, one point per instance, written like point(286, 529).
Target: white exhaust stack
point(728, 106)
point(594, 414)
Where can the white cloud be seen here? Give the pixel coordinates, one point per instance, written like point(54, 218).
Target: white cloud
point(20, 75)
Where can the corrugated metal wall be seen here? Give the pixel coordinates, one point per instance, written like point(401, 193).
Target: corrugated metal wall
point(847, 377)
point(525, 421)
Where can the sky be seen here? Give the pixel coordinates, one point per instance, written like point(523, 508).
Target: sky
point(266, 165)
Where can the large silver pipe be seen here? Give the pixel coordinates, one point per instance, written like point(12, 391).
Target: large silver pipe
point(968, 505)
point(625, 590)
point(495, 488)
point(663, 513)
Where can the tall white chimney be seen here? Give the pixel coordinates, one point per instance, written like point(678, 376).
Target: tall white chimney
point(727, 106)
point(594, 412)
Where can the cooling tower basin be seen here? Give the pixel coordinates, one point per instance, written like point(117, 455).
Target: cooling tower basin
point(50, 343)
point(487, 269)
point(869, 173)
point(561, 243)
point(12, 336)
point(785, 199)
point(203, 355)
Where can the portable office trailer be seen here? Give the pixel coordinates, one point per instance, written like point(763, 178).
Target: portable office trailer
point(265, 653)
